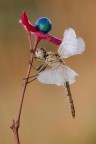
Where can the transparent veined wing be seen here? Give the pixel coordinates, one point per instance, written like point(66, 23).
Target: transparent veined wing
point(57, 75)
point(71, 44)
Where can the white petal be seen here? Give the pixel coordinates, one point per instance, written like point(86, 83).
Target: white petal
point(71, 45)
point(57, 75)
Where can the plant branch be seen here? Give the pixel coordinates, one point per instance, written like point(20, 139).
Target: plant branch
point(16, 122)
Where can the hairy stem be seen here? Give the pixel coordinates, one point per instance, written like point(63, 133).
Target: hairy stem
point(16, 122)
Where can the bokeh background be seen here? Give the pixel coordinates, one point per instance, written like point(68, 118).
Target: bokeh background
point(46, 118)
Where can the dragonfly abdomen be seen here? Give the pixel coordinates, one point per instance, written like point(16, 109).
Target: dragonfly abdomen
point(69, 98)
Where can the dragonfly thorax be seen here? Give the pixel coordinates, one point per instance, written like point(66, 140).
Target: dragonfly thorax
point(53, 59)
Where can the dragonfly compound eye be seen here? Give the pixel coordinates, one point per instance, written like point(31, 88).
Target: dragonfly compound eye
point(40, 53)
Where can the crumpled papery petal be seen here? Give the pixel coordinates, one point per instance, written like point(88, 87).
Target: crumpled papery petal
point(30, 28)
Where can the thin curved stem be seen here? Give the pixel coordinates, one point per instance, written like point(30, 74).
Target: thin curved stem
point(16, 122)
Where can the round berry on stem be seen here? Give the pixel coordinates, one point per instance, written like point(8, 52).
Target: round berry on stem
point(43, 24)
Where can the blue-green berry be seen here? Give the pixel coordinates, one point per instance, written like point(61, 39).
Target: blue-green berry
point(43, 24)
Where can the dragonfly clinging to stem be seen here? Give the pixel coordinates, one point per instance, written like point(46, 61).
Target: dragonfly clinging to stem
point(59, 73)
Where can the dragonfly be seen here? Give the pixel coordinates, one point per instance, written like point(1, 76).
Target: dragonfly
point(59, 73)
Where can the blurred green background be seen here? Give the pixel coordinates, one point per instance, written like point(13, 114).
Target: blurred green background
point(45, 117)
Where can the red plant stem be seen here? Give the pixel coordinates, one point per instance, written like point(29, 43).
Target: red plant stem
point(30, 42)
point(16, 123)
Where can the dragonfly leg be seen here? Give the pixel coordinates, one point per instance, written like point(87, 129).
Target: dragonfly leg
point(33, 66)
point(30, 77)
point(42, 69)
point(69, 98)
point(32, 80)
point(39, 68)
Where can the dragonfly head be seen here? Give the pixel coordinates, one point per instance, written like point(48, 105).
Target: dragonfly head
point(40, 53)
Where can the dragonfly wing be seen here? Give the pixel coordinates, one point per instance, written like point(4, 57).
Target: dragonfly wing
point(57, 75)
point(80, 45)
point(71, 45)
